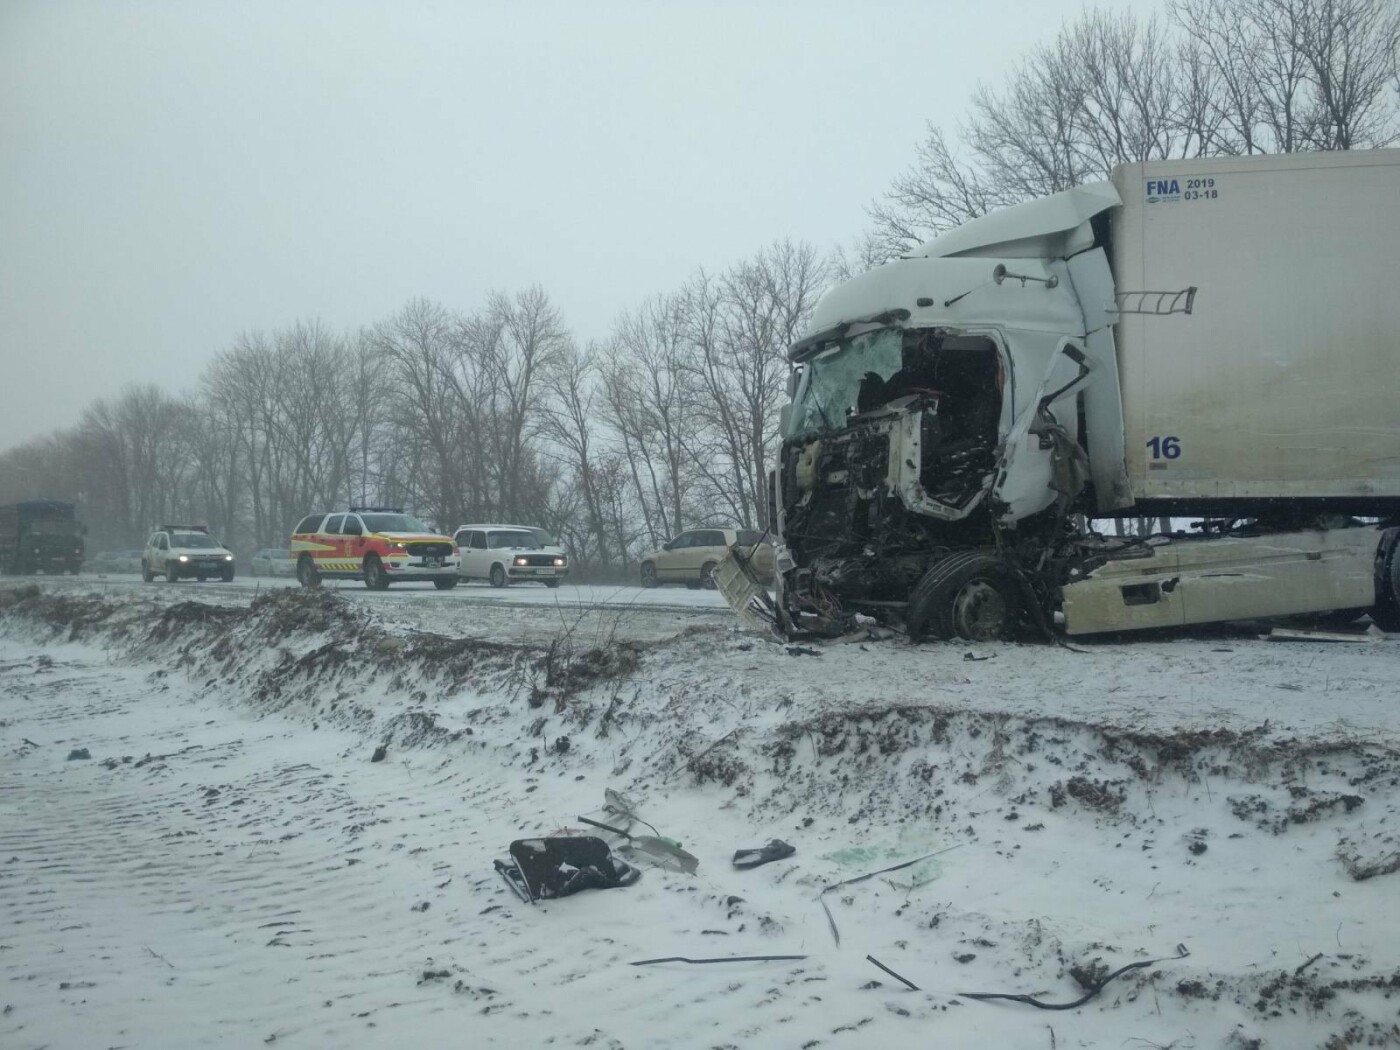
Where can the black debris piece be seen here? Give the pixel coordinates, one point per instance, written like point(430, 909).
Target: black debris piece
point(77, 753)
point(549, 868)
point(723, 959)
point(380, 753)
point(776, 849)
point(902, 980)
point(803, 650)
point(1181, 953)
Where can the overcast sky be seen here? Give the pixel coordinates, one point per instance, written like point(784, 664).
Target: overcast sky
point(174, 173)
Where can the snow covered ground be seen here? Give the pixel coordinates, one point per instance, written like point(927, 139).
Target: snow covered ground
point(230, 868)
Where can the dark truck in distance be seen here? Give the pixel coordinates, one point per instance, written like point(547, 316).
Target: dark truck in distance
point(40, 534)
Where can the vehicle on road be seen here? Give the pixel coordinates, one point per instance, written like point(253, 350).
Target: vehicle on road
point(186, 551)
point(1162, 345)
point(40, 535)
point(506, 554)
point(379, 545)
point(692, 557)
point(128, 561)
point(100, 561)
point(272, 561)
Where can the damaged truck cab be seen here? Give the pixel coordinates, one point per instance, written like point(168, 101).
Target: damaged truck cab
point(957, 415)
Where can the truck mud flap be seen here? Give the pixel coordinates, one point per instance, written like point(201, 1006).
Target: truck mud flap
point(749, 599)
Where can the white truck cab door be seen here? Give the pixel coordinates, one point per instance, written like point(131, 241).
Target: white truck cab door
point(1040, 458)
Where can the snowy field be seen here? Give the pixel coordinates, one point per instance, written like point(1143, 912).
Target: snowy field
point(229, 867)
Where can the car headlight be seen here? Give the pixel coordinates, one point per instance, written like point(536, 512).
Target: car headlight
point(558, 561)
point(397, 548)
point(184, 557)
point(521, 561)
point(228, 557)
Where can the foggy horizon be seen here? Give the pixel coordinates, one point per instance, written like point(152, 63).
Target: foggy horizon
point(178, 174)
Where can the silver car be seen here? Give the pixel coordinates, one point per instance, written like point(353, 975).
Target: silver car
point(272, 561)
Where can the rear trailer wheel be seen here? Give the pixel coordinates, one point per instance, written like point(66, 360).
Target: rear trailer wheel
point(498, 576)
point(445, 585)
point(1386, 613)
point(972, 596)
point(376, 579)
point(307, 575)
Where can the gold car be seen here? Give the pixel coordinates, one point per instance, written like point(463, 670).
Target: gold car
point(691, 558)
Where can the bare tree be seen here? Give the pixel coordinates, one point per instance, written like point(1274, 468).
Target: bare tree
point(1219, 77)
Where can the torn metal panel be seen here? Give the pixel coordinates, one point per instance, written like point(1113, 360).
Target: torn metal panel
point(1226, 578)
point(1103, 400)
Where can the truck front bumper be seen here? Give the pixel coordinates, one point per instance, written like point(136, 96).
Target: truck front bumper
point(537, 572)
point(406, 568)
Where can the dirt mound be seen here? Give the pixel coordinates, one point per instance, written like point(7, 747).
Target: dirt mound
point(72, 615)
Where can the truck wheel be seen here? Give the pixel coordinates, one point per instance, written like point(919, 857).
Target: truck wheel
point(376, 579)
point(968, 595)
point(172, 574)
point(146, 574)
point(707, 575)
point(307, 575)
point(445, 585)
point(498, 576)
point(649, 574)
point(551, 584)
point(227, 576)
point(1386, 614)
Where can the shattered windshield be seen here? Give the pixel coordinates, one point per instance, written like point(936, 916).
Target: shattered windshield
point(831, 380)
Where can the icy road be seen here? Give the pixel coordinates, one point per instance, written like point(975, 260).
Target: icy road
point(197, 849)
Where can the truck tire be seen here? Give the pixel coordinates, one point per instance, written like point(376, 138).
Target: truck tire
point(445, 585)
point(147, 575)
point(307, 575)
point(498, 576)
point(227, 576)
point(1386, 614)
point(968, 595)
point(172, 574)
point(707, 575)
point(376, 579)
point(649, 574)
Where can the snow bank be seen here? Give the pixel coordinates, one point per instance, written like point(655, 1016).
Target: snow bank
point(1089, 810)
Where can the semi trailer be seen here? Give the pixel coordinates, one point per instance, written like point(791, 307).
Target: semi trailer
point(1214, 340)
point(40, 535)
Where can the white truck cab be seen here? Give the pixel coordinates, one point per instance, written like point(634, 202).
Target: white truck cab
point(176, 551)
point(505, 554)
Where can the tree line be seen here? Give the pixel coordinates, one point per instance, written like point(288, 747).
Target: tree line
point(494, 414)
point(500, 414)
